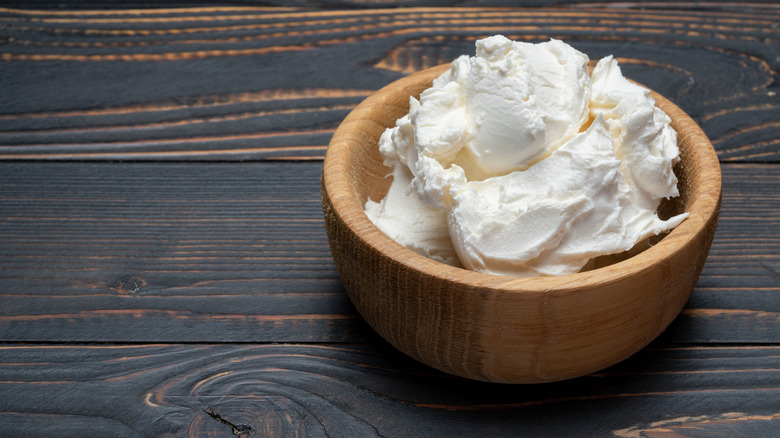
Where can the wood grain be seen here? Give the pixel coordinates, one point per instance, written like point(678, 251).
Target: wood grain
point(270, 83)
point(209, 252)
point(337, 390)
point(210, 256)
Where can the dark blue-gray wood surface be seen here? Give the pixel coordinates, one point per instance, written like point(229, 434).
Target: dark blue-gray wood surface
point(164, 269)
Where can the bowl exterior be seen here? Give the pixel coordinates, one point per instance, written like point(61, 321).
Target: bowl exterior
point(500, 328)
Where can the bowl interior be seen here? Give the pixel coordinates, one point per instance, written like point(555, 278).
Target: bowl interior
point(367, 176)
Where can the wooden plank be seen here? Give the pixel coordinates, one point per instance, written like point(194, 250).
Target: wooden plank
point(349, 390)
point(213, 252)
point(168, 8)
point(270, 83)
point(236, 252)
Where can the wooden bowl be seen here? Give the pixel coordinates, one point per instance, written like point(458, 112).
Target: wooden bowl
point(501, 328)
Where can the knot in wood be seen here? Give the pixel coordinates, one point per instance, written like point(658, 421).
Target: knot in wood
point(129, 285)
point(267, 416)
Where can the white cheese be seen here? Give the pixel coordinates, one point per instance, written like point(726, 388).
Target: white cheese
point(517, 161)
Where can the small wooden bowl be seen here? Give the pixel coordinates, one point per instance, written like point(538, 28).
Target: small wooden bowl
point(501, 328)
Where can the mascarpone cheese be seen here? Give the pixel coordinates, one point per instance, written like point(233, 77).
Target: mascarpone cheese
point(518, 161)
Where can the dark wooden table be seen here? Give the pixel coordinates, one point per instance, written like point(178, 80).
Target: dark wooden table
point(164, 270)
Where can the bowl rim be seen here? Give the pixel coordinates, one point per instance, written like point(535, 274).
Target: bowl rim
point(336, 187)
